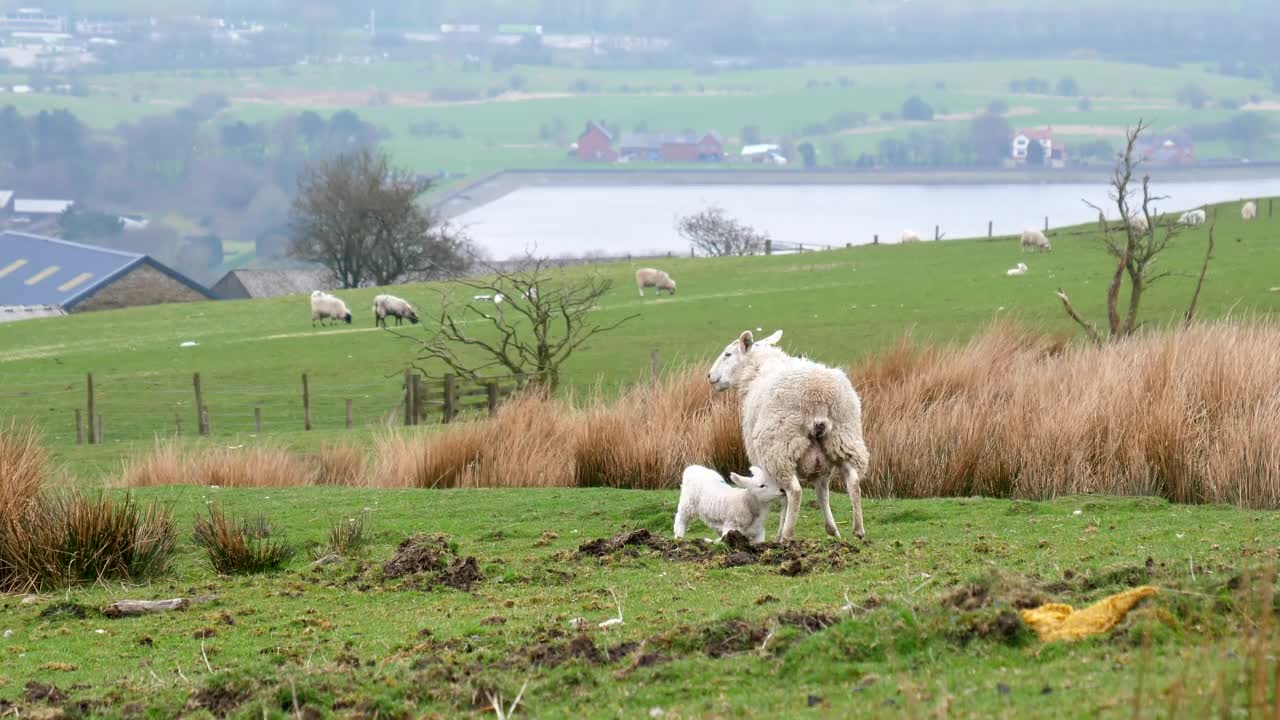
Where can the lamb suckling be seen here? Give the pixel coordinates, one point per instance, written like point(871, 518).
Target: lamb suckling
point(742, 506)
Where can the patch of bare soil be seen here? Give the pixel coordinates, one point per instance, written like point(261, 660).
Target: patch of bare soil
point(35, 692)
point(791, 557)
point(219, 700)
point(66, 611)
point(433, 559)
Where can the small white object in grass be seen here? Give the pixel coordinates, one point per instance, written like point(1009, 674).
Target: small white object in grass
point(656, 712)
point(214, 487)
point(100, 631)
point(8, 633)
point(1181, 535)
point(30, 599)
point(759, 329)
point(189, 343)
point(1078, 512)
point(611, 622)
point(234, 447)
point(578, 623)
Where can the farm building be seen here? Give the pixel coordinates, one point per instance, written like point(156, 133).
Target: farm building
point(13, 313)
point(243, 284)
point(39, 209)
point(1167, 149)
point(595, 144)
point(1054, 152)
point(667, 147)
point(37, 270)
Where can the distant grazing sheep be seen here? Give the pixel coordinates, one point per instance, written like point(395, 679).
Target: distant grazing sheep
point(1021, 269)
point(910, 236)
point(1035, 240)
point(1192, 217)
point(1249, 211)
point(656, 279)
point(385, 306)
point(742, 505)
point(327, 307)
point(1139, 224)
point(800, 420)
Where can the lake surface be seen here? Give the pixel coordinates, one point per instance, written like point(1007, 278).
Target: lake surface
point(562, 221)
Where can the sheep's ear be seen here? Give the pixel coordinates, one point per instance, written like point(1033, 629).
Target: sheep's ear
point(736, 479)
point(772, 339)
point(745, 340)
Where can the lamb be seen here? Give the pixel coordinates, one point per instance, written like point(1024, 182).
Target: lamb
point(656, 279)
point(1035, 240)
point(910, 236)
point(1192, 217)
point(1249, 211)
point(742, 506)
point(1020, 270)
point(390, 305)
point(327, 307)
point(801, 420)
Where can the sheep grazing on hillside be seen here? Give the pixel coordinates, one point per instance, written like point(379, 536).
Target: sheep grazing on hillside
point(327, 307)
point(385, 306)
point(1192, 217)
point(1139, 224)
point(910, 236)
point(1249, 211)
point(1021, 269)
point(656, 279)
point(742, 506)
point(1033, 239)
point(801, 420)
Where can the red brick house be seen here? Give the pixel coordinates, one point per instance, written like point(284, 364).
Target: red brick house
point(595, 144)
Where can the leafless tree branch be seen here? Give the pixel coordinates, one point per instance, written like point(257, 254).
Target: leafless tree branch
point(712, 233)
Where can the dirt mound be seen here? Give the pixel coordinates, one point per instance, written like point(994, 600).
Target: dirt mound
point(219, 700)
point(433, 557)
point(791, 557)
point(995, 590)
point(40, 692)
point(64, 611)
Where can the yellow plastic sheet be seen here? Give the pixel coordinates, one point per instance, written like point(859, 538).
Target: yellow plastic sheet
point(1055, 621)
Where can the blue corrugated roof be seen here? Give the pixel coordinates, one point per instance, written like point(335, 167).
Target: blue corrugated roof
point(37, 270)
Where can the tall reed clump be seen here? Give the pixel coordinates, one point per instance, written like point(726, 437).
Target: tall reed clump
point(240, 547)
point(50, 539)
point(172, 463)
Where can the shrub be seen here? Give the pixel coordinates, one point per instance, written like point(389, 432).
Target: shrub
point(347, 536)
point(239, 547)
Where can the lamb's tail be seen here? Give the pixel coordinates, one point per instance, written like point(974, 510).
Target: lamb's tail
point(819, 427)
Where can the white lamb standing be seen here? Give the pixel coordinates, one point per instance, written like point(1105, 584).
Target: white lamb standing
point(656, 279)
point(1249, 211)
point(328, 307)
point(801, 420)
point(1033, 239)
point(910, 236)
point(385, 306)
point(742, 506)
point(1192, 217)
point(1021, 269)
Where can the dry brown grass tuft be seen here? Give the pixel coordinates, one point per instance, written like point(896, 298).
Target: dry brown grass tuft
point(339, 465)
point(23, 467)
point(173, 464)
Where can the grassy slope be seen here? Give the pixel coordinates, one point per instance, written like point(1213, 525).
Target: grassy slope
point(835, 306)
point(312, 633)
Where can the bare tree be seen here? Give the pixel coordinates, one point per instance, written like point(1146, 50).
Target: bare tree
point(1136, 243)
point(359, 216)
point(711, 232)
point(529, 320)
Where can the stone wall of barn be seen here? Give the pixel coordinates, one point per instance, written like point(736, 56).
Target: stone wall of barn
point(143, 285)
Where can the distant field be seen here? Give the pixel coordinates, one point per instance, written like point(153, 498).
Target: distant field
point(836, 306)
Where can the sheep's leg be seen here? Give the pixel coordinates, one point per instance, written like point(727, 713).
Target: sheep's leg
point(681, 525)
point(855, 498)
point(823, 486)
point(787, 526)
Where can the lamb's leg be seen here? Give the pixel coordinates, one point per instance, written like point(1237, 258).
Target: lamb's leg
point(682, 523)
point(823, 486)
point(641, 289)
point(787, 526)
point(855, 498)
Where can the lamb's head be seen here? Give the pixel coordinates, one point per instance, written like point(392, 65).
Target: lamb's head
point(724, 372)
point(759, 485)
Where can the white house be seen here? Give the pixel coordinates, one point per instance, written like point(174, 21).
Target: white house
point(764, 153)
point(1055, 153)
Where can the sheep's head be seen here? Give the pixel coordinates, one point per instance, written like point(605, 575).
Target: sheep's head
point(671, 285)
point(347, 318)
point(760, 485)
point(724, 373)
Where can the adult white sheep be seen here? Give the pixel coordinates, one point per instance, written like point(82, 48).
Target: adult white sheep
point(1249, 211)
point(801, 420)
point(656, 279)
point(910, 236)
point(327, 307)
point(1192, 217)
point(742, 506)
point(1033, 239)
point(385, 306)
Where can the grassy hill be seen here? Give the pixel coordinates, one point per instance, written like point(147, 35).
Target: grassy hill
point(835, 306)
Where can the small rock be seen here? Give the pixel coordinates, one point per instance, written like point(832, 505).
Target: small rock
point(1046, 690)
point(99, 631)
point(814, 700)
point(30, 599)
point(1078, 512)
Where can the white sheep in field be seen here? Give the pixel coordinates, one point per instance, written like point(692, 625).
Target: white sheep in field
point(1035, 240)
point(1192, 217)
point(1249, 211)
point(801, 420)
point(742, 506)
point(327, 307)
point(1139, 224)
point(385, 306)
point(910, 236)
point(1021, 269)
point(656, 279)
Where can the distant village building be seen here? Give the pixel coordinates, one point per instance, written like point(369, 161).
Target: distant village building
point(32, 20)
point(595, 144)
point(768, 154)
point(13, 313)
point(32, 209)
point(667, 147)
point(1054, 152)
point(43, 271)
point(245, 283)
point(1166, 149)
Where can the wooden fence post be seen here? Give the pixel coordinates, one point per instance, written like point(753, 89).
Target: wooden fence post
point(421, 392)
point(491, 389)
point(79, 429)
point(768, 246)
point(306, 404)
point(937, 233)
point(257, 419)
point(204, 418)
point(348, 413)
point(848, 245)
point(200, 428)
point(408, 397)
point(1270, 202)
point(102, 435)
point(655, 365)
point(448, 398)
point(93, 436)
point(1046, 223)
point(989, 225)
point(875, 239)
